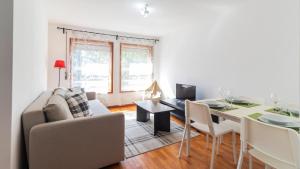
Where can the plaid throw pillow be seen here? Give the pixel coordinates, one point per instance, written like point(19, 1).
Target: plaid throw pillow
point(78, 104)
point(77, 90)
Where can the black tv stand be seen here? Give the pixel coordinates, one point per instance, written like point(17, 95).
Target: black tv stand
point(179, 106)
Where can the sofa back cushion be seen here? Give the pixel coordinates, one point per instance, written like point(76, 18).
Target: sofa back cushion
point(60, 91)
point(57, 109)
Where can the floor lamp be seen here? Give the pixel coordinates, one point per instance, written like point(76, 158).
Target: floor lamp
point(59, 64)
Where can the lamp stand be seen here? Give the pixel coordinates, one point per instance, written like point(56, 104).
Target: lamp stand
point(59, 77)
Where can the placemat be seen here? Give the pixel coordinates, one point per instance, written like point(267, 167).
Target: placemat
point(248, 105)
point(285, 113)
point(227, 108)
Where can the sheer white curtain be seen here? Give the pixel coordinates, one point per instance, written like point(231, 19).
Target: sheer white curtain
point(90, 62)
point(136, 67)
point(137, 57)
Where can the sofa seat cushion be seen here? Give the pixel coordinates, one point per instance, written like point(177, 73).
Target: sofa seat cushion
point(97, 108)
point(57, 109)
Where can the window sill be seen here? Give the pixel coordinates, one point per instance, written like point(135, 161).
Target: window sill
point(131, 91)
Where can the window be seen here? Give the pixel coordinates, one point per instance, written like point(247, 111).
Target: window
point(91, 65)
point(136, 67)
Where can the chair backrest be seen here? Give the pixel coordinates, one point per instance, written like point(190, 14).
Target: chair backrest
point(199, 113)
point(279, 143)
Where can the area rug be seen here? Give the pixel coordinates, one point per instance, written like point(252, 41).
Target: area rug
point(139, 136)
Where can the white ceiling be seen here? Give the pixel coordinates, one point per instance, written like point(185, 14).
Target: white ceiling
point(124, 15)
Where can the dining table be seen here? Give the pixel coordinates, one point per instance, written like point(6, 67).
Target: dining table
point(237, 112)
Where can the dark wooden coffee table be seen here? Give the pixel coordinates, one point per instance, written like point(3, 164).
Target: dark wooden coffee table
point(161, 114)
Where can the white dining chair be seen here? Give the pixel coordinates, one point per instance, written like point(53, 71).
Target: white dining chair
point(234, 125)
point(277, 147)
point(200, 115)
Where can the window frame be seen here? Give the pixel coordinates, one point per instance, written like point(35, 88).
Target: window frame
point(95, 42)
point(120, 65)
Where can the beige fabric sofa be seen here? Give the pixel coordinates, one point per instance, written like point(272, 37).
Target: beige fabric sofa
point(82, 143)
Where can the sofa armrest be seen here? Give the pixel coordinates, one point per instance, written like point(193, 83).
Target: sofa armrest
point(91, 95)
point(91, 142)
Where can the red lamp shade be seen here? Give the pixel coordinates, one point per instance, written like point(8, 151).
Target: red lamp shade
point(59, 64)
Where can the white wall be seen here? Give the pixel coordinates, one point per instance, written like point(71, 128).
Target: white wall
point(250, 47)
point(57, 49)
point(6, 53)
point(29, 66)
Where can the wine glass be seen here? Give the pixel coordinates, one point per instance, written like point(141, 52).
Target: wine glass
point(229, 97)
point(275, 101)
point(221, 92)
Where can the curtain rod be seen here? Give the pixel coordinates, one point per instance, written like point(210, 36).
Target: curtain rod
point(107, 34)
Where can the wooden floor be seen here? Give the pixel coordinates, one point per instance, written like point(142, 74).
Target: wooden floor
point(166, 157)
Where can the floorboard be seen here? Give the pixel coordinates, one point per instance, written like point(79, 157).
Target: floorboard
point(166, 157)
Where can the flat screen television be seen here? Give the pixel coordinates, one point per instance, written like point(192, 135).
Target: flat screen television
point(184, 91)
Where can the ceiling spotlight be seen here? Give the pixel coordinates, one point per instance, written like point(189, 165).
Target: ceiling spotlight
point(145, 10)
